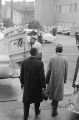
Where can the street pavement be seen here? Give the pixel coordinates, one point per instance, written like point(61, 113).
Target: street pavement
point(14, 111)
point(11, 106)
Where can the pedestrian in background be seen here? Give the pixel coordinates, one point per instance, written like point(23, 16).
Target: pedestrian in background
point(75, 83)
point(32, 40)
point(38, 46)
point(40, 36)
point(77, 39)
point(56, 76)
point(32, 79)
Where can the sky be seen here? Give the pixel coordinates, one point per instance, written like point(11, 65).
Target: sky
point(3, 1)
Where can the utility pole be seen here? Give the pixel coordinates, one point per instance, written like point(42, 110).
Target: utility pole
point(0, 11)
point(12, 10)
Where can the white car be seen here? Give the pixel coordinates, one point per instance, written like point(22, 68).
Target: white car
point(66, 31)
point(48, 37)
point(29, 30)
point(59, 30)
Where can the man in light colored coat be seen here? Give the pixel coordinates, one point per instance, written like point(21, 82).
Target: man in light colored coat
point(56, 76)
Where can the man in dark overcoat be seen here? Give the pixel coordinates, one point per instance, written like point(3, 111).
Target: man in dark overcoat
point(32, 79)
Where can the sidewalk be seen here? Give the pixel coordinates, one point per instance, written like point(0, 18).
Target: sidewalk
point(14, 110)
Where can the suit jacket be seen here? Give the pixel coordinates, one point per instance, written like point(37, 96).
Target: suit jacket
point(56, 76)
point(33, 78)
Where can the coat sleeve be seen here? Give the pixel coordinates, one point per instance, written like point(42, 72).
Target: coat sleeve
point(48, 72)
point(42, 76)
point(76, 71)
point(66, 71)
point(22, 74)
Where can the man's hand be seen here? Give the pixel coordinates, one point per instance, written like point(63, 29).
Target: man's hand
point(22, 86)
point(75, 90)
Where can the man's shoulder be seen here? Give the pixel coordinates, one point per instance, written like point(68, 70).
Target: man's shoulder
point(39, 61)
point(53, 57)
point(65, 58)
point(25, 60)
point(37, 43)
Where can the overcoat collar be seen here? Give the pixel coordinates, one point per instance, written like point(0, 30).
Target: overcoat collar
point(33, 57)
point(60, 54)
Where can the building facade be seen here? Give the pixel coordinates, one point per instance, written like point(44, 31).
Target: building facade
point(44, 11)
point(22, 12)
point(58, 12)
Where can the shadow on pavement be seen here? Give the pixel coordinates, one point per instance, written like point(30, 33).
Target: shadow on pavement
point(9, 93)
point(74, 116)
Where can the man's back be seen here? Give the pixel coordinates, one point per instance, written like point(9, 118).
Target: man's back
point(34, 78)
point(58, 63)
point(56, 76)
point(31, 68)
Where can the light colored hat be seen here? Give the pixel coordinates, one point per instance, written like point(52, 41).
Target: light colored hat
point(59, 47)
point(34, 37)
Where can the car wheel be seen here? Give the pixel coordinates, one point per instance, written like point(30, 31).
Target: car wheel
point(68, 33)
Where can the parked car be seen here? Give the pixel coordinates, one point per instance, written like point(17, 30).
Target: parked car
point(27, 30)
point(59, 30)
point(66, 31)
point(48, 37)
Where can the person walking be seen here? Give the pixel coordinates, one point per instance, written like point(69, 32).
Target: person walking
point(32, 80)
point(75, 83)
point(56, 76)
point(38, 46)
point(40, 36)
point(77, 37)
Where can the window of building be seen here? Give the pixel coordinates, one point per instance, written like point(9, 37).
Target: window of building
point(75, 7)
point(63, 9)
point(59, 8)
point(67, 8)
point(71, 8)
